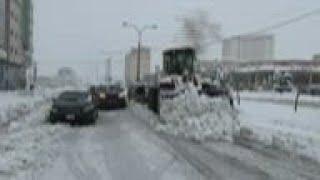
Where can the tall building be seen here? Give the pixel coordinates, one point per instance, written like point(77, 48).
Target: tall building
point(131, 64)
point(16, 29)
point(2, 25)
point(316, 57)
point(248, 48)
point(27, 30)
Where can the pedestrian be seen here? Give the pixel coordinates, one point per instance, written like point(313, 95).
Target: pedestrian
point(231, 101)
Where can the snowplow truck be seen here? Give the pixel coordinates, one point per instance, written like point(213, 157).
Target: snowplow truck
point(178, 63)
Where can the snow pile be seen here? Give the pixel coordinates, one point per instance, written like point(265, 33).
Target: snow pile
point(14, 105)
point(31, 149)
point(279, 127)
point(29, 145)
point(293, 141)
point(198, 117)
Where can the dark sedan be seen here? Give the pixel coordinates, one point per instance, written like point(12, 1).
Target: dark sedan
point(74, 107)
point(111, 96)
point(213, 90)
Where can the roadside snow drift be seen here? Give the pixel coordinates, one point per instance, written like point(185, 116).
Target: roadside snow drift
point(14, 105)
point(198, 117)
point(278, 126)
point(29, 145)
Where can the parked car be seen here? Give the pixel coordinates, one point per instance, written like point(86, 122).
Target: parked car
point(314, 89)
point(74, 107)
point(111, 96)
point(283, 88)
point(213, 90)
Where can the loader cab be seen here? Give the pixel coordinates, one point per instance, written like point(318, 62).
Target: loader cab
point(179, 61)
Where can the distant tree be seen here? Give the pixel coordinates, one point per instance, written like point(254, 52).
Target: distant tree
point(67, 76)
point(66, 71)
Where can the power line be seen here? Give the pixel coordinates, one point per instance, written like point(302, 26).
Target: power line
point(287, 22)
point(275, 26)
point(270, 28)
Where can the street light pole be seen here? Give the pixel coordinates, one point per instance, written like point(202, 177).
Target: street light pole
point(139, 31)
point(139, 55)
point(108, 73)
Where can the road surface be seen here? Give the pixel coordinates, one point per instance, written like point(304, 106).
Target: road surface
point(122, 146)
point(118, 147)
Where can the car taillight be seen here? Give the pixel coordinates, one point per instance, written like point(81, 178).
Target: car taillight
point(123, 94)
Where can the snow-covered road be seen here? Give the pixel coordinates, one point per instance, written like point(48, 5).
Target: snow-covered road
point(118, 147)
point(123, 145)
point(226, 161)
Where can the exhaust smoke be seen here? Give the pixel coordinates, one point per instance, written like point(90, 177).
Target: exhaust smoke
point(200, 31)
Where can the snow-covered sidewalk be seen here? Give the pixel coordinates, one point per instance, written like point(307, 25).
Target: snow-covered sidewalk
point(27, 143)
point(14, 105)
point(284, 98)
point(278, 126)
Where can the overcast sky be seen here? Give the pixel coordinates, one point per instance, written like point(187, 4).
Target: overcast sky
point(81, 33)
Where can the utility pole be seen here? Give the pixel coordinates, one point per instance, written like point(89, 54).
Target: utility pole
point(139, 55)
point(237, 79)
point(97, 74)
point(140, 32)
point(108, 73)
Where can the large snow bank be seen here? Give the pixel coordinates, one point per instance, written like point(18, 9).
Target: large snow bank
point(14, 105)
point(29, 145)
point(278, 126)
point(287, 98)
point(198, 117)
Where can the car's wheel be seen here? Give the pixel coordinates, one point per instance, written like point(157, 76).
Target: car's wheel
point(96, 114)
point(93, 118)
point(73, 123)
point(123, 104)
point(52, 120)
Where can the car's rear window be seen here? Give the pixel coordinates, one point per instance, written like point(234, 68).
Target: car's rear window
point(73, 96)
point(167, 86)
point(110, 88)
